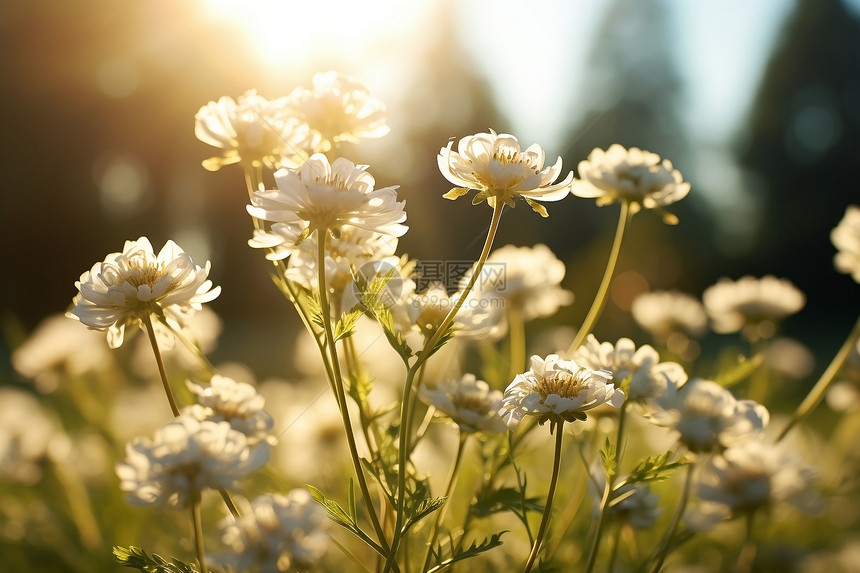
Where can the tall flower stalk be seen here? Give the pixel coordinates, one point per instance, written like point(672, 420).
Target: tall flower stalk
point(547, 511)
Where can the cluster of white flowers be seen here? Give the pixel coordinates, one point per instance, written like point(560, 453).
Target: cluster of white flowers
point(276, 533)
point(557, 391)
point(663, 313)
point(184, 458)
point(135, 284)
point(751, 303)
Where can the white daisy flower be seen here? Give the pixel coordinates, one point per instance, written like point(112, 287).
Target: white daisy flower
point(276, 533)
point(319, 195)
point(468, 402)
point(226, 400)
point(132, 285)
point(558, 391)
point(639, 178)
point(338, 108)
point(251, 130)
point(185, 457)
point(649, 378)
point(494, 165)
point(846, 238)
point(708, 417)
point(751, 304)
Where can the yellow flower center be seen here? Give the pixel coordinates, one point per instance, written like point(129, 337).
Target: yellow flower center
point(562, 382)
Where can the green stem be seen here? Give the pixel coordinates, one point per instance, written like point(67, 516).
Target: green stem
point(147, 322)
point(556, 464)
point(198, 534)
point(666, 542)
point(339, 388)
point(607, 490)
point(440, 513)
point(613, 552)
point(516, 339)
point(410, 377)
point(816, 395)
point(600, 298)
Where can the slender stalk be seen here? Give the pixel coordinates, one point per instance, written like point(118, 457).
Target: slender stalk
point(339, 388)
point(80, 505)
point(198, 534)
point(410, 377)
point(666, 542)
point(516, 339)
point(440, 513)
point(556, 464)
point(816, 395)
point(147, 322)
point(600, 298)
point(607, 490)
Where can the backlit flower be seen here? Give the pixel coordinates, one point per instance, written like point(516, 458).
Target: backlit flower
point(846, 238)
point(319, 195)
point(276, 533)
point(251, 130)
point(559, 391)
point(338, 108)
point(468, 402)
point(638, 177)
point(751, 304)
point(185, 457)
point(756, 474)
point(226, 400)
point(649, 378)
point(476, 318)
point(129, 286)
point(708, 417)
point(663, 313)
point(638, 505)
point(26, 436)
point(526, 277)
point(494, 165)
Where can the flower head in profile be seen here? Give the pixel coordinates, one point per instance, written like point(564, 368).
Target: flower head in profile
point(708, 418)
point(185, 457)
point(251, 130)
point(468, 402)
point(494, 165)
point(557, 391)
point(132, 285)
point(663, 313)
point(750, 476)
point(649, 378)
point(330, 196)
point(753, 305)
point(528, 278)
point(846, 238)
point(226, 400)
point(639, 178)
point(338, 108)
point(276, 533)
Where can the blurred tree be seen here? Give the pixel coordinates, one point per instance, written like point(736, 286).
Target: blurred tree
point(801, 145)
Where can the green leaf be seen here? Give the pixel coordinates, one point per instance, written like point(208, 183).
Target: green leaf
point(505, 499)
point(423, 509)
point(654, 468)
point(334, 510)
point(607, 456)
point(136, 558)
point(345, 327)
point(472, 551)
point(446, 336)
point(315, 310)
point(732, 374)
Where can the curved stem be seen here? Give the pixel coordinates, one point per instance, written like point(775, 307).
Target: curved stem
point(666, 542)
point(198, 534)
point(440, 513)
point(410, 377)
point(816, 395)
point(556, 464)
point(339, 388)
point(600, 298)
point(147, 322)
